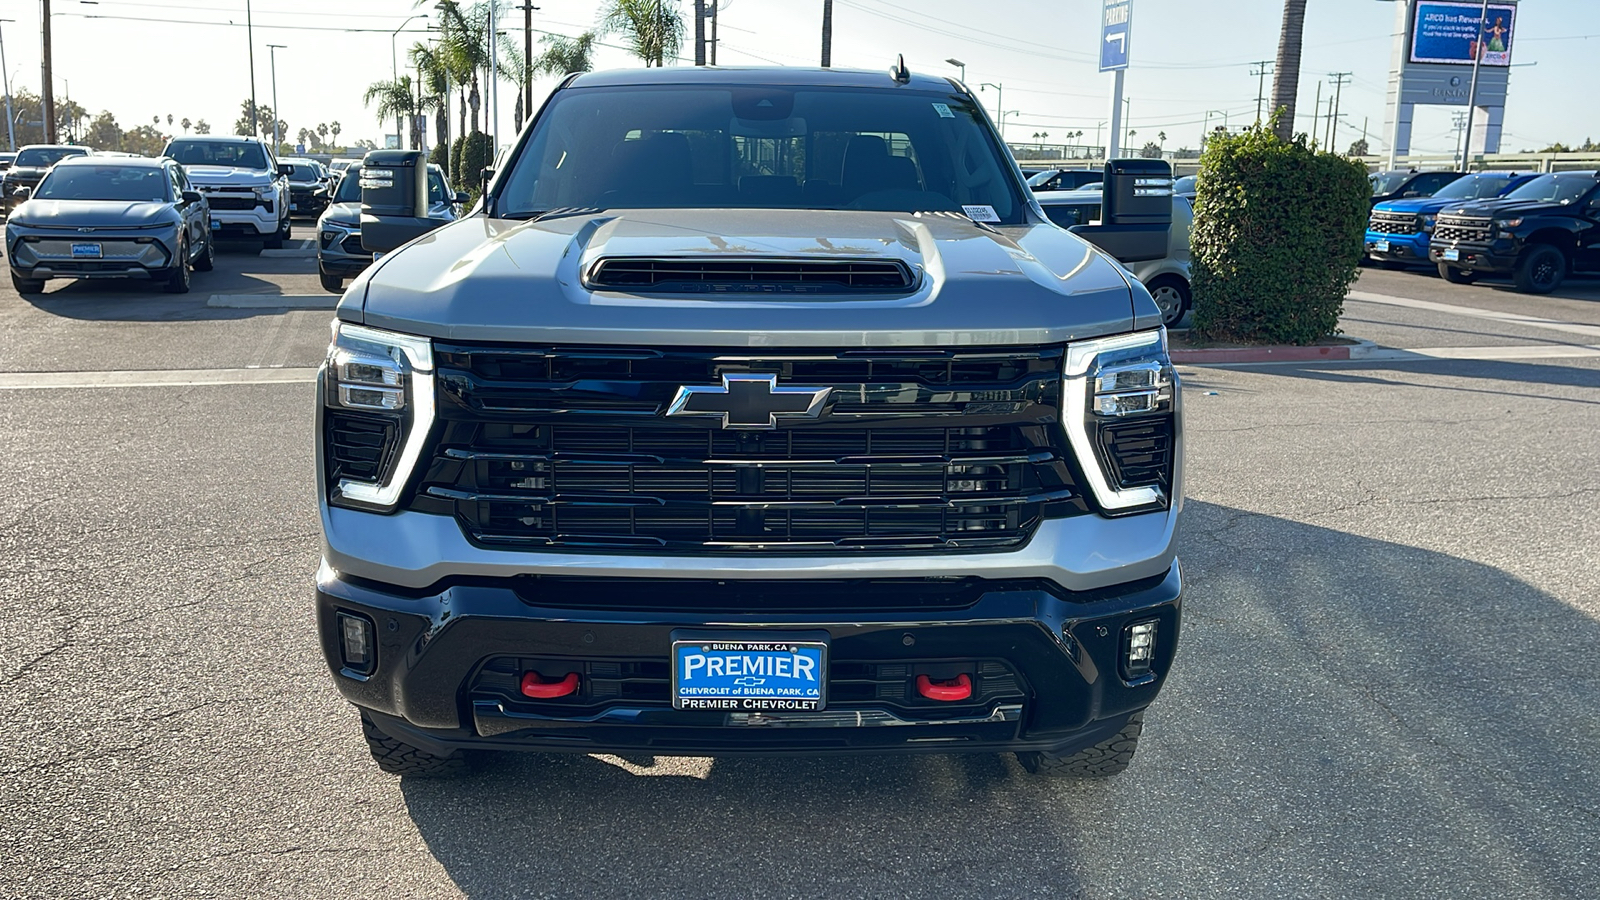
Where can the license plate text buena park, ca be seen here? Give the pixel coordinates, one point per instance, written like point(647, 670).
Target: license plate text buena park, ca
point(746, 675)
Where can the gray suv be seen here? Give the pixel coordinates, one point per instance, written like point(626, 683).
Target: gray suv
point(756, 411)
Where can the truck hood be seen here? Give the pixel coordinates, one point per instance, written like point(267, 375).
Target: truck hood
point(1484, 208)
point(218, 176)
point(92, 213)
point(1417, 205)
point(504, 280)
point(342, 212)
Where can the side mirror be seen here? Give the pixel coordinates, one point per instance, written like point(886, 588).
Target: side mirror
point(285, 170)
point(460, 197)
point(1412, 194)
point(394, 199)
point(1136, 212)
point(192, 197)
point(22, 193)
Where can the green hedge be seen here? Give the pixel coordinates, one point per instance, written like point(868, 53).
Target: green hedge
point(440, 156)
point(476, 153)
point(455, 162)
point(1277, 238)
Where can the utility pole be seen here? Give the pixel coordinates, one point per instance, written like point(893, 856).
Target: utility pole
point(1338, 91)
point(494, 82)
point(1472, 93)
point(699, 32)
point(1261, 69)
point(1316, 114)
point(11, 130)
point(47, 94)
point(527, 58)
point(272, 55)
point(250, 37)
point(1460, 126)
point(827, 33)
point(715, 5)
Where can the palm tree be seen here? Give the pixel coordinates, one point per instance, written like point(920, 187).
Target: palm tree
point(465, 50)
point(654, 28)
point(433, 65)
point(335, 128)
point(564, 55)
point(1286, 73)
point(185, 123)
point(393, 98)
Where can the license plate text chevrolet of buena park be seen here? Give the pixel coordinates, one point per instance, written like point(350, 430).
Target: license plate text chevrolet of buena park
point(746, 468)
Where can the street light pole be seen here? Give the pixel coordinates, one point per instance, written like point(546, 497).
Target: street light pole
point(250, 38)
point(272, 54)
point(1472, 92)
point(999, 106)
point(960, 65)
point(11, 131)
point(394, 77)
point(47, 92)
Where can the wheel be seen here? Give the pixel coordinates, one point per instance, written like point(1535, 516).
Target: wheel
point(333, 284)
point(207, 260)
point(399, 758)
point(27, 285)
point(1109, 757)
point(1172, 297)
point(275, 242)
point(1541, 269)
point(178, 276)
point(1455, 275)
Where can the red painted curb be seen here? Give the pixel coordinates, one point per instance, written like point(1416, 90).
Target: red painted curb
point(1260, 354)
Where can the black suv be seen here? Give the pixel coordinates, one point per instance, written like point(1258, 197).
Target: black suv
point(1537, 234)
point(1399, 184)
point(29, 167)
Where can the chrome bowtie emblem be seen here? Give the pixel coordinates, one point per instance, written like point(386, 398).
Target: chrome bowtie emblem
point(86, 230)
point(750, 401)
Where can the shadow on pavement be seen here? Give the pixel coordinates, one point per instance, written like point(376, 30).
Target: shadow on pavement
point(1348, 717)
point(1360, 372)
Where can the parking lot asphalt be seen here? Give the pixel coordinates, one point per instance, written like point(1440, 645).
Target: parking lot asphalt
point(1385, 686)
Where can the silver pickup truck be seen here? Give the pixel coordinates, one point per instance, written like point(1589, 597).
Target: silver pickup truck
point(753, 411)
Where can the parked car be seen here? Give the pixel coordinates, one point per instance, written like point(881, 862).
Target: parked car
point(1166, 278)
point(843, 448)
point(1064, 179)
point(92, 217)
point(338, 165)
point(1184, 187)
point(308, 187)
point(30, 165)
point(6, 159)
point(339, 251)
point(1537, 234)
point(1400, 184)
point(246, 187)
point(1398, 231)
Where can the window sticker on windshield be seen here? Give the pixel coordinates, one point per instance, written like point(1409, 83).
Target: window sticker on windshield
point(943, 109)
point(980, 213)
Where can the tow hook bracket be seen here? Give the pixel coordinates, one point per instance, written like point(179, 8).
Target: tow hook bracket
point(538, 688)
point(947, 691)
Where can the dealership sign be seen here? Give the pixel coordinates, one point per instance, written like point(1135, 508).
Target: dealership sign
point(1448, 32)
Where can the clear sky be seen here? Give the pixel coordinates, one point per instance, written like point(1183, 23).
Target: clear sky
point(1190, 58)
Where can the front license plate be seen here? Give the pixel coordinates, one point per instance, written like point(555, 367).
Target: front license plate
point(741, 673)
point(1452, 254)
point(85, 251)
point(1380, 246)
point(293, 207)
point(215, 225)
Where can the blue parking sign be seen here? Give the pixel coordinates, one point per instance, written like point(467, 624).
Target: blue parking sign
point(1116, 21)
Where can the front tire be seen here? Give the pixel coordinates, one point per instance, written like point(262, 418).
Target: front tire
point(178, 276)
point(27, 285)
point(399, 758)
point(207, 260)
point(1172, 297)
point(1541, 269)
point(278, 237)
point(1455, 275)
point(1105, 759)
point(333, 284)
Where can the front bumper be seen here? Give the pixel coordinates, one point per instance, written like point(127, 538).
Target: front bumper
point(1406, 248)
point(337, 251)
point(307, 204)
point(1497, 256)
point(443, 656)
point(48, 254)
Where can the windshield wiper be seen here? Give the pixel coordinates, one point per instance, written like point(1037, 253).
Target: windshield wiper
point(560, 212)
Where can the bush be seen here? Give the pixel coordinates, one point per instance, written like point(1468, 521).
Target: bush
point(1277, 238)
point(440, 156)
point(476, 153)
point(455, 162)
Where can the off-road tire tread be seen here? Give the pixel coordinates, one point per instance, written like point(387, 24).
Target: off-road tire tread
point(399, 758)
point(206, 261)
point(1105, 759)
point(1455, 275)
point(1524, 273)
point(330, 283)
point(27, 285)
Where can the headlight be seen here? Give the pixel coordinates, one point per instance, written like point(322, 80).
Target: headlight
point(1120, 409)
point(1507, 223)
point(265, 193)
point(1426, 222)
point(378, 408)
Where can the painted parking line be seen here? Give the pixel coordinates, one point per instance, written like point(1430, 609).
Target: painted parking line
point(274, 301)
point(29, 381)
point(1496, 315)
point(1371, 354)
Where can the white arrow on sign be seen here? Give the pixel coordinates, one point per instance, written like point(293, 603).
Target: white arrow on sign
point(1121, 37)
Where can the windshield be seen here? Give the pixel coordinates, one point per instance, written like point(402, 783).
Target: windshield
point(1184, 185)
point(436, 189)
point(349, 190)
point(239, 154)
point(1473, 187)
point(1562, 188)
point(304, 172)
point(763, 147)
point(39, 157)
point(79, 182)
point(1387, 182)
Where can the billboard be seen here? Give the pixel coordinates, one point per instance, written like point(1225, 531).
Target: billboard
point(1447, 32)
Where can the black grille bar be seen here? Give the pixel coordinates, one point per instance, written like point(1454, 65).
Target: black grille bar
point(751, 276)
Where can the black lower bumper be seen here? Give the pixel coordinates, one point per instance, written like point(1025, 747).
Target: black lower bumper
point(1488, 258)
point(343, 266)
point(1047, 665)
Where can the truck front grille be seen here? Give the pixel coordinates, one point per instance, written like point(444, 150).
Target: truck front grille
point(925, 451)
point(1392, 223)
point(1462, 228)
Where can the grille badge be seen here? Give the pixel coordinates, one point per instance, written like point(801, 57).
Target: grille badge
point(753, 402)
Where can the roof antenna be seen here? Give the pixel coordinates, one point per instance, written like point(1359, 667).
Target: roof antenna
point(899, 72)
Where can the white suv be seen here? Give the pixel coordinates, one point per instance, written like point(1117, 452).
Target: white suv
point(247, 188)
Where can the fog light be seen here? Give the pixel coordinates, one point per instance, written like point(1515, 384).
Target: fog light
point(355, 633)
point(1138, 648)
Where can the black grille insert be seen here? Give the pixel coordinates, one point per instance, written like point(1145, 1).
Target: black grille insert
point(1138, 452)
point(359, 447)
point(746, 276)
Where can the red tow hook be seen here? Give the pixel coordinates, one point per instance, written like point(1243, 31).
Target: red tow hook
point(534, 686)
point(960, 689)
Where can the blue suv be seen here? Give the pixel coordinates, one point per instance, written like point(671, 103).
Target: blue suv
point(1398, 232)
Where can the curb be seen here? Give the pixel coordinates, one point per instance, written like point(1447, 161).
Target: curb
point(1217, 355)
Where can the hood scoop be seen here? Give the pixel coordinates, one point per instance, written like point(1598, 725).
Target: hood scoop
point(751, 276)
